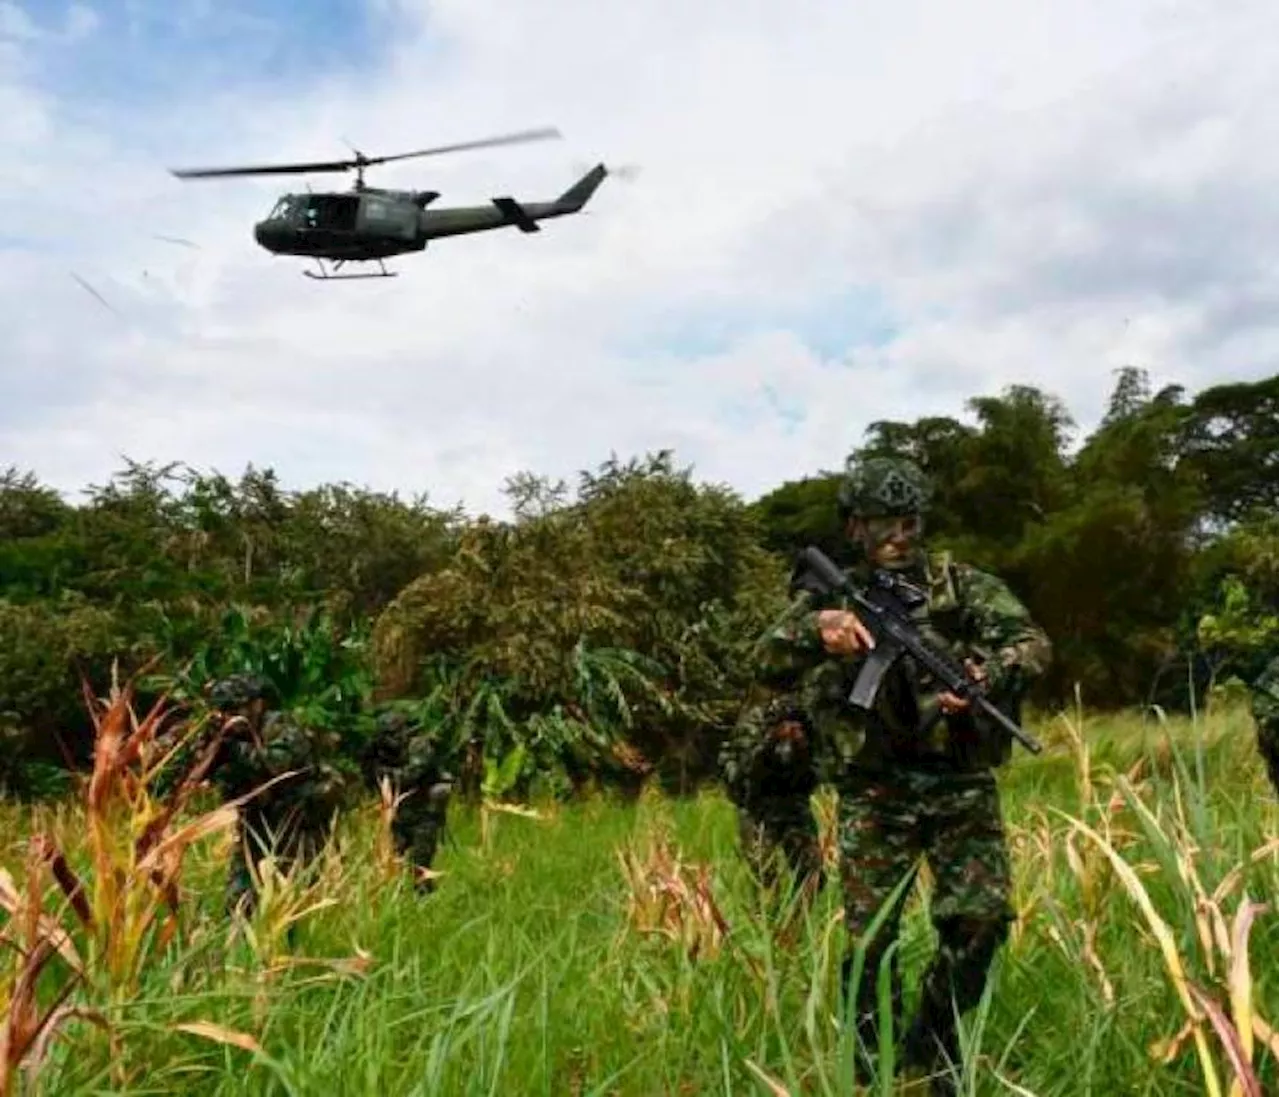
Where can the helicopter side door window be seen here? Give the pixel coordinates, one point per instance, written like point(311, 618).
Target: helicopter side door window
point(328, 212)
point(390, 218)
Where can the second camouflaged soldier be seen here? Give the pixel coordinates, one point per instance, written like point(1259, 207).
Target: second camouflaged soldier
point(770, 769)
point(1265, 705)
point(915, 774)
point(408, 757)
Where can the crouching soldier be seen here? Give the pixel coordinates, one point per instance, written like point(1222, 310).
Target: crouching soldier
point(767, 770)
point(406, 756)
point(289, 820)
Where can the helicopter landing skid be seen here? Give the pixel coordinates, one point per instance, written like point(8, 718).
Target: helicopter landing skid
point(334, 276)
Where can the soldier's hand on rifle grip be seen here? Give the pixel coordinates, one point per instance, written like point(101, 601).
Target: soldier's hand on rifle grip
point(949, 702)
point(843, 633)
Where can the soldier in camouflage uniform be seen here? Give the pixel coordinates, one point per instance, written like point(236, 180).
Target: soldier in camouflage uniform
point(1265, 705)
point(915, 775)
point(770, 771)
point(769, 774)
point(291, 819)
point(406, 755)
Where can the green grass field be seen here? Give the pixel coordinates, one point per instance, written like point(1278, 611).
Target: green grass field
point(541, 966)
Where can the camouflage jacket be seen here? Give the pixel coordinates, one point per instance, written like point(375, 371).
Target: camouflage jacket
point(405, 754)
point(969, 613)
point(757, 760)
point(248, 759)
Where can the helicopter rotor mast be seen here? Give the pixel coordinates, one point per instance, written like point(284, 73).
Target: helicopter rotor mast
point(360, 161)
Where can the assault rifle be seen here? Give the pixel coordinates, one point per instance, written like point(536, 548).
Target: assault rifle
point(885, 608)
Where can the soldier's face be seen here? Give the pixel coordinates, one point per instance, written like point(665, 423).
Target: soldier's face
point(888, 541)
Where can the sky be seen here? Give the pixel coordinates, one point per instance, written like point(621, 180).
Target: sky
point(834, 212)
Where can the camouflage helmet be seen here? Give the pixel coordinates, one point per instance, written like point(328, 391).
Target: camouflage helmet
point(881, 487)
point(239, 690)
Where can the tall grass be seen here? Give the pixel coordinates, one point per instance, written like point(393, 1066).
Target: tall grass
point(602, 948)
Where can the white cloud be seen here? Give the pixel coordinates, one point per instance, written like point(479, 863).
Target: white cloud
point(1038, 193)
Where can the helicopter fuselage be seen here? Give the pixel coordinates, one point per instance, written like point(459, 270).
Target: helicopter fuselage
point(374, 224)
point(351, 226)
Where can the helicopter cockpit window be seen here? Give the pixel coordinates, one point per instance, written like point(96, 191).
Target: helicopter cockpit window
point(285, 209)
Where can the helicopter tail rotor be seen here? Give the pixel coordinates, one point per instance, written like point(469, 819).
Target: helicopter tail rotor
point(624, 173)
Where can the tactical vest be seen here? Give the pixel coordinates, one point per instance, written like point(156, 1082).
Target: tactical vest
point(905, 729)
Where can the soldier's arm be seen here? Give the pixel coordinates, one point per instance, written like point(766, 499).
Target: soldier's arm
point(1017, 649)
point(790, 646)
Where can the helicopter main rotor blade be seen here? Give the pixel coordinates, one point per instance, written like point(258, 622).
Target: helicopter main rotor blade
point(276, 169)
point(545, 133)
point(362, 161)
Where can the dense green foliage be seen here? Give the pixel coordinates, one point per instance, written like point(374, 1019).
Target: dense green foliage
point(605, 633)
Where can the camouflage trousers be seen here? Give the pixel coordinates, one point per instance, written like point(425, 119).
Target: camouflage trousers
point(417, 836)
point(292, 848)
point(888, 823)
point(780, 833)
point(1265, 705)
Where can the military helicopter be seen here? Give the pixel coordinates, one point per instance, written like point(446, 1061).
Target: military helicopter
point(369, 224)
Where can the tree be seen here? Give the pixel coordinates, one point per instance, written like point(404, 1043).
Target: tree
point(1229, 442)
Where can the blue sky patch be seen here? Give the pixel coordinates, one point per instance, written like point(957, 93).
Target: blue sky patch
point(830, 324)
point(132, 52)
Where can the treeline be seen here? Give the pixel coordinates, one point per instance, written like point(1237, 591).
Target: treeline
point(604, 631)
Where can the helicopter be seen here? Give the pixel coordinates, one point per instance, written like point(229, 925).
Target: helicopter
point(369, 224)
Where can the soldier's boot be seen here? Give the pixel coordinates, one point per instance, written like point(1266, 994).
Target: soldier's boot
point(953, 986)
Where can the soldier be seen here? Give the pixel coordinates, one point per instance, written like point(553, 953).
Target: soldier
point(770, 771)
point(291, 818)
point(915, 774)
point(407, 756)
point(769, 775)
point(1265, 705)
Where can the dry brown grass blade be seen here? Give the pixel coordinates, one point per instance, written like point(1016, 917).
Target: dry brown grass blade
point(1168, 948)
point(1232, 879)
point(672, 899)
point(220, 1034)
point(1246, 1081)
point(46, 850)
point(1090, 932)
point(1166, 1051)
point(355, 966)
point(23, 1022)
point(1239, 977)
point(212, 822)
point(54, 1020)
point(12, 901)
point(775, 1087)
point(1266, 1036)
